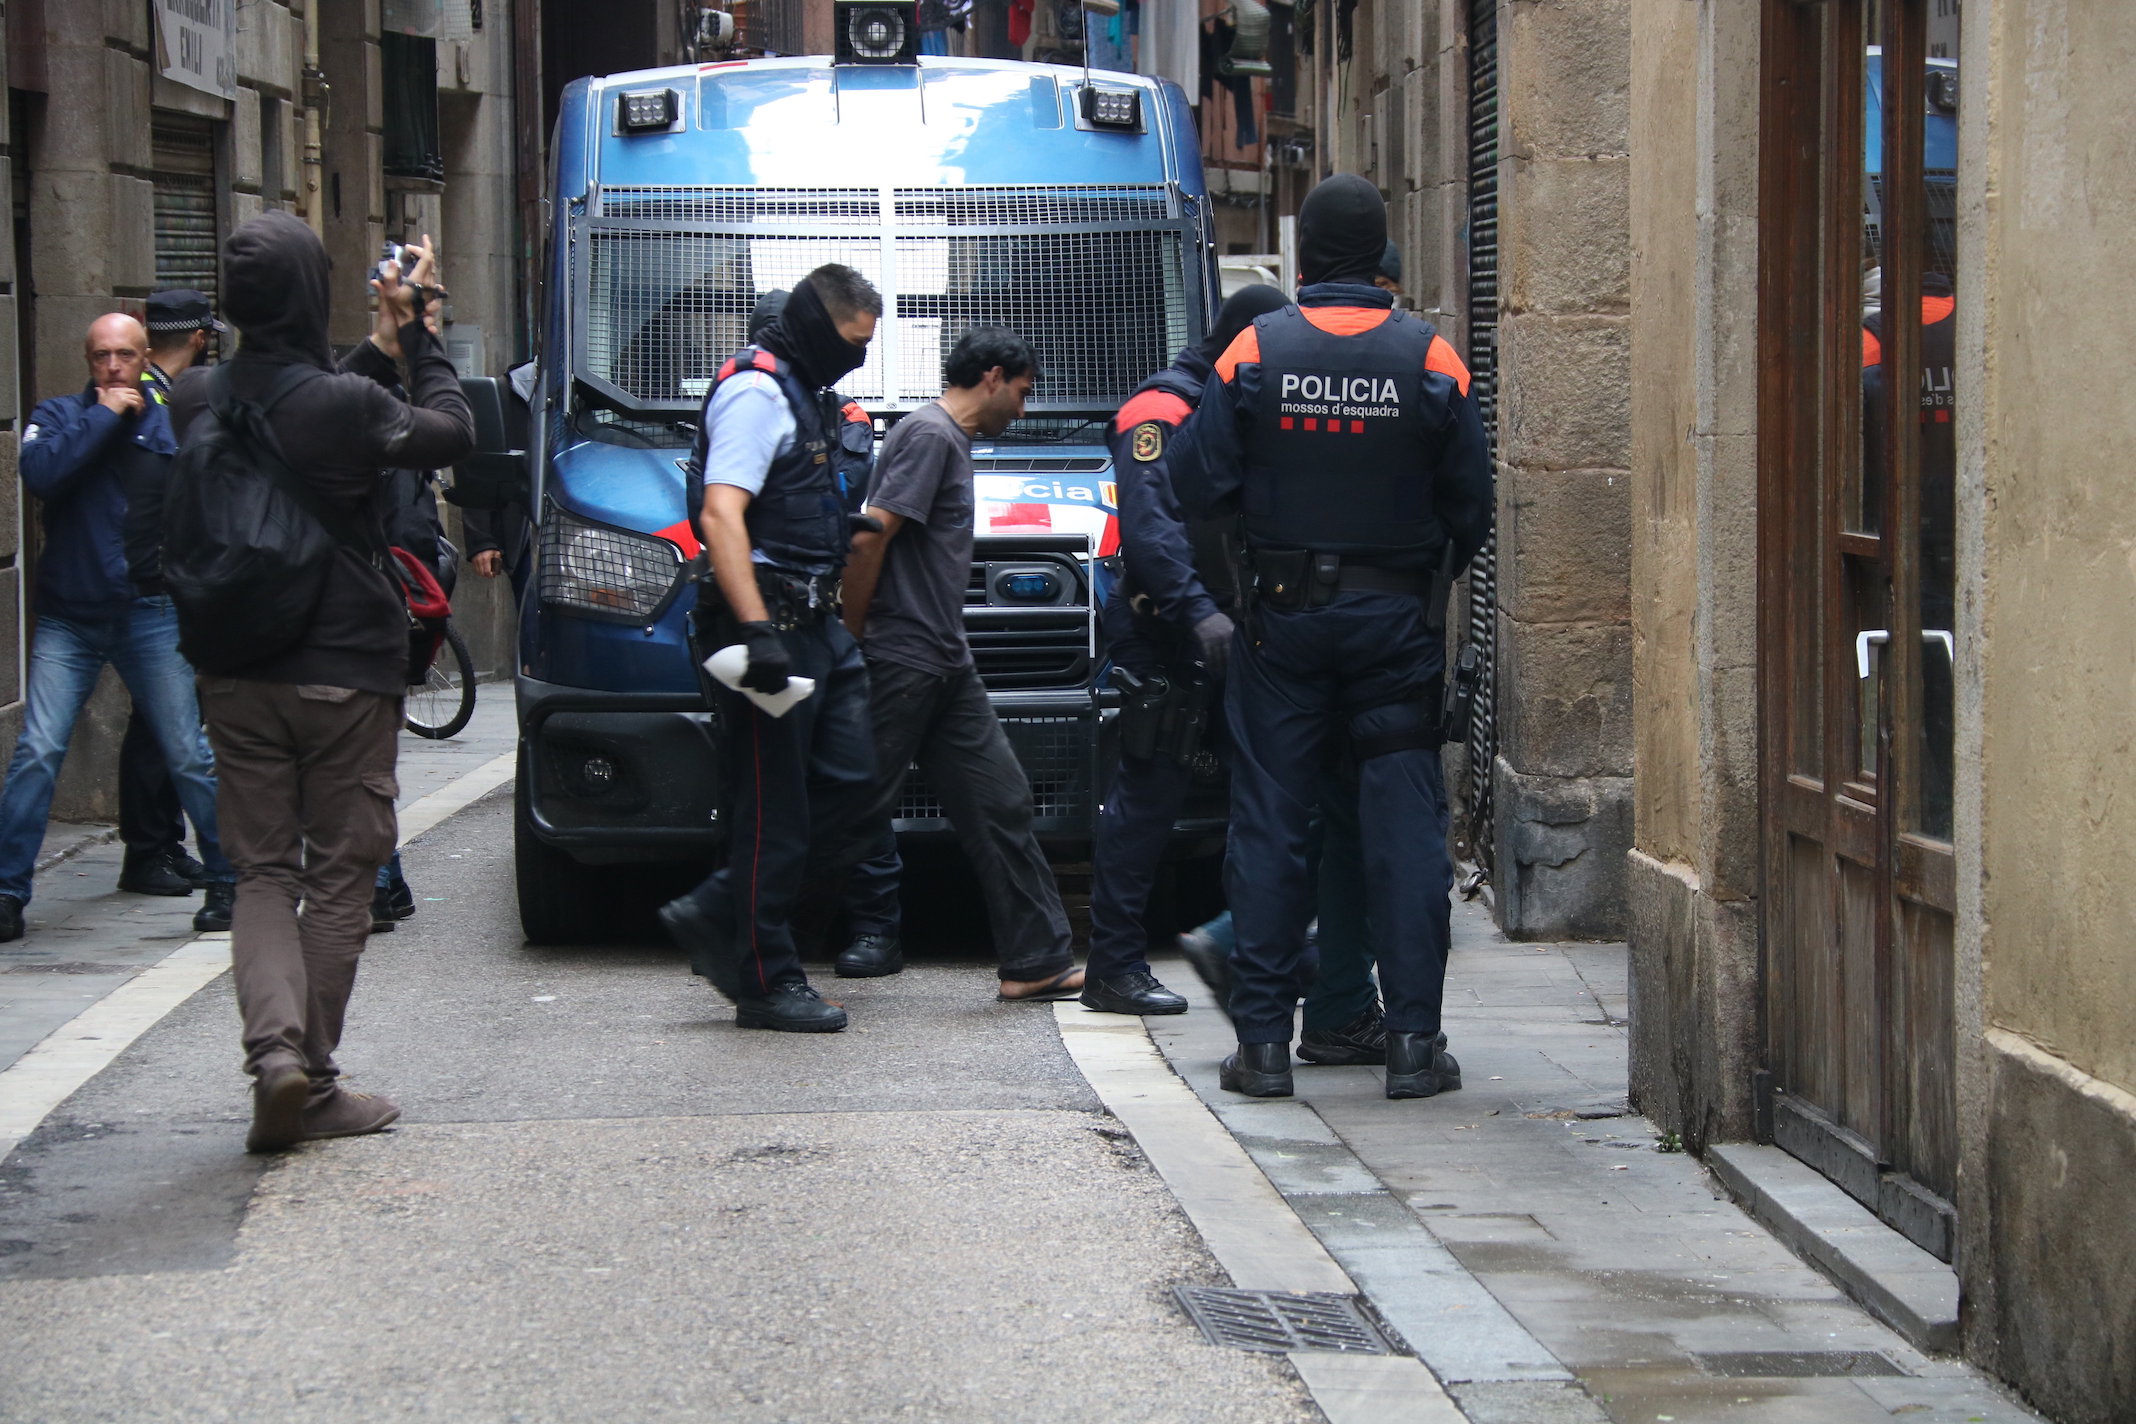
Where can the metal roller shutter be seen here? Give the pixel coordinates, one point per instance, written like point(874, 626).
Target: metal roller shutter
point(183, 152)
point(1483, 369)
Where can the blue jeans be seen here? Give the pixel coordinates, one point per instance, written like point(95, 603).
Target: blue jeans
point(65, 661)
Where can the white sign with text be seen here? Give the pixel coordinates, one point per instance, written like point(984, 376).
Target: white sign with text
point(196, 44)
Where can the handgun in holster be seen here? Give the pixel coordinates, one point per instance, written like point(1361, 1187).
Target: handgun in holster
point(1459, 707)
point(1160, 715)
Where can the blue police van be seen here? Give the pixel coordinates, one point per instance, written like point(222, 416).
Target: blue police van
point(1068, 206)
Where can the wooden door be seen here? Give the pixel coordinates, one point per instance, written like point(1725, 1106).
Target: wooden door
point(1856, 635)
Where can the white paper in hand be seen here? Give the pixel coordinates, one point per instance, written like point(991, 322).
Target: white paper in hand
point(730, 662)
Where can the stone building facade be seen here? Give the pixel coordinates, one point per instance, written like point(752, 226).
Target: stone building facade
point(125, 180)
point(1973, 954)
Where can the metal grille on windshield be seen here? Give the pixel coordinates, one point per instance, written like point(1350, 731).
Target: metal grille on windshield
point(1094, 277)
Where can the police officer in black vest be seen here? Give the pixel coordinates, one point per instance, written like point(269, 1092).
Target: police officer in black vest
point(1341, 433)
point(1168, 630)
point(763, 490)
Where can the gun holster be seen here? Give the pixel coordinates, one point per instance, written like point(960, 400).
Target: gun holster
point(1160, 715)
point(1460, 705)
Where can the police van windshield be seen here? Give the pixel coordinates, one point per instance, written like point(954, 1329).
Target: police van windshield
point(1096, 277)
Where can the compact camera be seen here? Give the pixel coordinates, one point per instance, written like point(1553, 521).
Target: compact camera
point(398, 260)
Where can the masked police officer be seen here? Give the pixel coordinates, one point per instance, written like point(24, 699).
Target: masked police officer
point(764, 493)
point(1341, 432)
point(1167, 635)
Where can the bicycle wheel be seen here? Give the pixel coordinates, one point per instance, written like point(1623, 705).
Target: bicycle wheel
point(441, 705)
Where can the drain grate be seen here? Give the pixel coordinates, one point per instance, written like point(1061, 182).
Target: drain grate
point(1795, 1364)
point(1278, 1321)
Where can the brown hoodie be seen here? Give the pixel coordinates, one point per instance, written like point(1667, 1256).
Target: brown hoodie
point(340, 433)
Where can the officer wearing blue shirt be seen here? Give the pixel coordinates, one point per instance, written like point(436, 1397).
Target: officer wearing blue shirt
point(98, 462)
point(1342, 434)
point(1165, 634)
point(763, 494)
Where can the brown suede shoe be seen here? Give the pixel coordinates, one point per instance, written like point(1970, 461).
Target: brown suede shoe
point(348, 1113)
point(278, 1096)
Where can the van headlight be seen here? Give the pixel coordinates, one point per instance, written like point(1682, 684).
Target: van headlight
point(605, 572)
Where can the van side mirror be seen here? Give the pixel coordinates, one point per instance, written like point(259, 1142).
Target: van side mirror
point(495, 475)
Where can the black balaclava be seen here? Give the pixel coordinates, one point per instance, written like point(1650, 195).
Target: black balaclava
point(766, 311)
point(275, 291)
point(806, 336)
point(1342, 231)
point(1236, 314)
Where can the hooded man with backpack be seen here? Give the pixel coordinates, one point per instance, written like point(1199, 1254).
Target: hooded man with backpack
point(302, 692)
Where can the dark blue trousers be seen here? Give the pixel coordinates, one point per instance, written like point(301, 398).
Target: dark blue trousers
point(1358, 669)
point(1133, 828)
point(1343, 988)
point(794, 785)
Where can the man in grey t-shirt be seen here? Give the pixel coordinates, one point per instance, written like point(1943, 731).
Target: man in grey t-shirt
point(904, 598)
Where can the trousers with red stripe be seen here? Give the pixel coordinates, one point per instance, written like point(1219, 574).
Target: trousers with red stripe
point(794, 785)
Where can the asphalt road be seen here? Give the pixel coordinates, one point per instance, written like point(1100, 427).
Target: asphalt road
point(606, 1202)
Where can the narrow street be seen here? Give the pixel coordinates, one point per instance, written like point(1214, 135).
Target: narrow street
point(605, 1201)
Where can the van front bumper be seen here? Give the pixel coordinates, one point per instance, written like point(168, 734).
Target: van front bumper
point(616, 777)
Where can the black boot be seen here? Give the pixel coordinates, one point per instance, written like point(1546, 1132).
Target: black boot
point(221, 901)
point(790, 1008)
point(10, 918)
point(391, 902)
point(1418, 1066)
point(712, 950)
point(155, 874)
point(1363, 1040)
point(1136, 993)
point(871, 955)
point(1259, 1070)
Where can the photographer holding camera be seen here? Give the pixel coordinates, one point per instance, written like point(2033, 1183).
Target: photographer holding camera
point(306, 737)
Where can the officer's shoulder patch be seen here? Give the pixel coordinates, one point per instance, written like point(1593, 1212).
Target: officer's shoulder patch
point(1149, 441)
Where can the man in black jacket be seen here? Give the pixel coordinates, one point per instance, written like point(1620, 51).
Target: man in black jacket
point(305, 741)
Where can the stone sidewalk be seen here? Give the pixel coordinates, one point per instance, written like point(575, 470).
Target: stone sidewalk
point(86, 937)
point(1535, 1241)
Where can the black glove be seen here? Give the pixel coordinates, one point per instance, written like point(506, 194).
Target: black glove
point(769, 665)
point(1213, 634)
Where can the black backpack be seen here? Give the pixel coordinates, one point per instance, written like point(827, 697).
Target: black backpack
point(247, 544)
